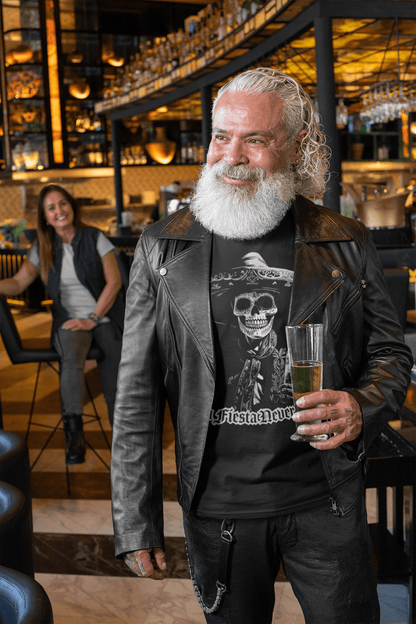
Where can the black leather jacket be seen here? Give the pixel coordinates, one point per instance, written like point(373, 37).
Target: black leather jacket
point(168, 353)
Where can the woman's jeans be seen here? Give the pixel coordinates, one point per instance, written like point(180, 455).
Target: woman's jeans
point(73, 348)
point(326, 558)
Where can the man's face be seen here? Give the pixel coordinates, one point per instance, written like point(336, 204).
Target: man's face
point(248, 129)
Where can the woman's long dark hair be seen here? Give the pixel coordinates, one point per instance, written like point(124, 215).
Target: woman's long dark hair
point(46, 233)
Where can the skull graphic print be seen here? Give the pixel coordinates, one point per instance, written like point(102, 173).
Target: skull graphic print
point(259, 372)
point(255, 312)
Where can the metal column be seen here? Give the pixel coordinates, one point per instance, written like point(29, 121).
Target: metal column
point(3, 95)
point(324, 58)
point(118, 183)
point(206, 104)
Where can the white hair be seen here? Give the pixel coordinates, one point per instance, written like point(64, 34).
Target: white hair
point(299, 114)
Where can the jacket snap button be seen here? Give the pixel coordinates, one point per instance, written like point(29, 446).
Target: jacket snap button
point(163, 271)
point(336, 273)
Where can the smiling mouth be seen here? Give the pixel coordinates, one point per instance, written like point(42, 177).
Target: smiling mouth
point(228, 177)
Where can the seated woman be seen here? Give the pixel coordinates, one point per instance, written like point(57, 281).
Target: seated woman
point(79, 269)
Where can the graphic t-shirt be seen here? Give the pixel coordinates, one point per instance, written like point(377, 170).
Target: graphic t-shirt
point(251, 468)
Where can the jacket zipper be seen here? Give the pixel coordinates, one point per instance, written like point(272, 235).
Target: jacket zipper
point(334, 506)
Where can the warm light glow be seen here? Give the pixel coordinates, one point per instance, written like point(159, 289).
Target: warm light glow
point(161, 150)
point(30, 158)
point(158, 153)
point(79, 89)
point(9, 59)
point(413, 127)
point(106, 51)
point(23, 84)
point(116, 61)
point(405, 133)
point(55, 99)
point(75, 57)
point(15, 302)
point(22, 54)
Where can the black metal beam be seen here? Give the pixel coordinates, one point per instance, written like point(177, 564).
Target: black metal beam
point(3, 93)
point(325, 90)
point(206, 104)
point(387, 9)
point(118, 183)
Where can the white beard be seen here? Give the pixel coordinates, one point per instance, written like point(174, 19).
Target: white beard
point(240, 212)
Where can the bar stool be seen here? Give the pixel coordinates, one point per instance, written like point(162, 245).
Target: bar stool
point(45, 355)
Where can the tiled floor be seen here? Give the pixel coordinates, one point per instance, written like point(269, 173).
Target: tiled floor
point(74, 556)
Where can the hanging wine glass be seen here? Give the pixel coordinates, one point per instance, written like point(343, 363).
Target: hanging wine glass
point(364, 114)
point(341, 114)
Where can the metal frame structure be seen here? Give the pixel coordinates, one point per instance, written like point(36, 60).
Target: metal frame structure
point(318, 15)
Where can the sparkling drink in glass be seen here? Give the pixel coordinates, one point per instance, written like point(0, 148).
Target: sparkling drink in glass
point(305, 348)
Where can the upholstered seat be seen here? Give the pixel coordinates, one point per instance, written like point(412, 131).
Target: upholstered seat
point(15, 530)
point(22, 599)
point(14, 461)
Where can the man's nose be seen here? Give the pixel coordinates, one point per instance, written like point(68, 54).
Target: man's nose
point(235, 153)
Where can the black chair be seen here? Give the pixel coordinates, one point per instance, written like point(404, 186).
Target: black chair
point(18, 354)
point(22, 599)
point(392, 464)
point(14, 462)
point(15, 530)
point(124, 268)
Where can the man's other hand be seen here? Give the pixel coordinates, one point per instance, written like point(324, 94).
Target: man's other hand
point(148, 563)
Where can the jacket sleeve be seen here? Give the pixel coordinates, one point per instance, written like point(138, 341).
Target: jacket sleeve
point(136, 462)
point(387, 360)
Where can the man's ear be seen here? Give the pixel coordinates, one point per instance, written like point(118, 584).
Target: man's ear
point(295, 156)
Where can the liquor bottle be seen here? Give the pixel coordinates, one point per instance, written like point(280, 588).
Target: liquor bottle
point(99, 156)
point(184, 150)
point(255, 6)
point(221, 30)
point(194, 152)
point(212, 23)
point(190, 156)
point(70, 125)
point(246, 9)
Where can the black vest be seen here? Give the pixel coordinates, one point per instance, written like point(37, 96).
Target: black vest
point(89, 270)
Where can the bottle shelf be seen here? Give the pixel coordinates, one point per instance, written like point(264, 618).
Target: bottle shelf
point(232, 45)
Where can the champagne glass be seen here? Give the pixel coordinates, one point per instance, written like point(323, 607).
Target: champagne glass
point(305, 348)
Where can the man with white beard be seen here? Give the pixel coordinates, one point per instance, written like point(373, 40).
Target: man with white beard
point(211, 291)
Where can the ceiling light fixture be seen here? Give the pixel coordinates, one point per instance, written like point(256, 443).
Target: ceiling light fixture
point(115, 60)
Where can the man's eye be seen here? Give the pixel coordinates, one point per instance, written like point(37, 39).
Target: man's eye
point(255, 141)
point(219, 137)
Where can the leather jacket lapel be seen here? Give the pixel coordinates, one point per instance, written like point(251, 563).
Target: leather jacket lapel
point(316, 277)
point(187, 284)
point(187, 273)
point(314, 281)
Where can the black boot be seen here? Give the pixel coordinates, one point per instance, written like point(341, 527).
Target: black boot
point(74, 439)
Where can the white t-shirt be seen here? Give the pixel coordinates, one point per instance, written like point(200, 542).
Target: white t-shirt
point(75, 298)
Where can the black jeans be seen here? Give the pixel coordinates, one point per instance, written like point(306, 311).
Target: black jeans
point(326, 558)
